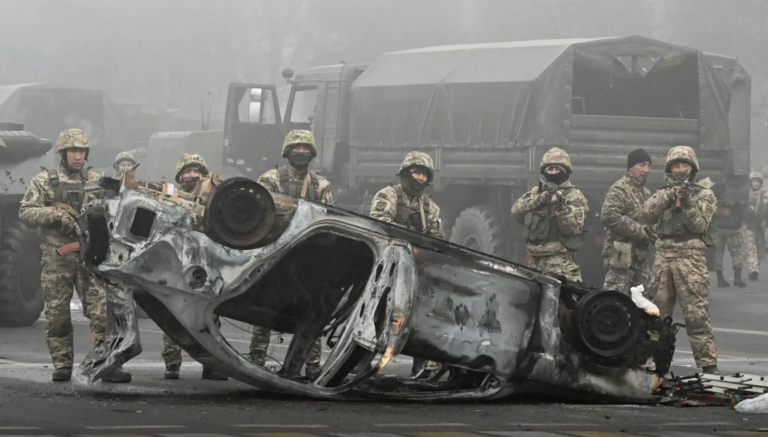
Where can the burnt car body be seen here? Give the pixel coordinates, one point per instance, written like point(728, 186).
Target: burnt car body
point(375, 289)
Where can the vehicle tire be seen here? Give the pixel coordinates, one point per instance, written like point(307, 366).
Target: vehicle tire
point(21, 296)
point(481, 229)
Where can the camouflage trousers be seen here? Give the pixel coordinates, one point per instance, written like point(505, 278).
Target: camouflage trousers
point(733, 240)
point(751, 249)
point(59, 279)
point(560, 264)
point(686, 278)
point(260, 343)
point(624, 279)
point(172, 352)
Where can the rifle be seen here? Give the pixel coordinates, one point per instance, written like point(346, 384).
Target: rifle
point(551, 188)
point(685, 184)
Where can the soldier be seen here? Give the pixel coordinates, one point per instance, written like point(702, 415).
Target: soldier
point(124, 161)
point(554, 227)
point(682, 211)
point(295, 180)
point(406, 205)
point(191, 170)
point(753, 229)
point(53, 203)
point(729, 219)
point(625, 253)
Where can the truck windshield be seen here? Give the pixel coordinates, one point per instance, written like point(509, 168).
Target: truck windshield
point(304, 102)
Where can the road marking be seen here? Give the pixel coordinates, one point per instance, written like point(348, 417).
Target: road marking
point(741, 331)
point(281, 434)
point(277, 425)
point(602, 434)
point(523, 433)
point(589, 425)
point(195, 435)
point(136, 427)
point(692, 424)
point(408, 425)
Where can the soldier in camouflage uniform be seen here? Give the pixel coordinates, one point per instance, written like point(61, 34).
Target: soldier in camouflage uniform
point(729, 217)
point(683, 213)
point(191, 172)
point(124, 161)
point(53, 204)
point(753, 230)
point(405, 204)
point(295, 180)
point(625, 252)
point(554, 232)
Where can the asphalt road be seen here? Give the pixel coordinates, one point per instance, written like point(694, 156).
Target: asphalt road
point(30, 404)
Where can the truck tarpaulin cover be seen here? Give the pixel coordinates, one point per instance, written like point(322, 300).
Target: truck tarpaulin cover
point(525, 93)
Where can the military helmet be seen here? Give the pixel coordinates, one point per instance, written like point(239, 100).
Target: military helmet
point(188, 160)
point(756, 175)
point(124, 156)
point(299, 136)
point(419, 159)
point(556, 156)
point(72, 139)
point(681, 154)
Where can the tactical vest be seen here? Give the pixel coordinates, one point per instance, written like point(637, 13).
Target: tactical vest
point(293, 187)
point(411, 217)
point(671, 225)
point(540, 227)
point(68, 196)
point(728, 215)
point(758, 207)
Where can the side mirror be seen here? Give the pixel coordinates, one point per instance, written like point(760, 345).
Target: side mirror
point(287, 74)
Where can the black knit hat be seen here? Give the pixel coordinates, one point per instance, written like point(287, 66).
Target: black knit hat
point(636, 157)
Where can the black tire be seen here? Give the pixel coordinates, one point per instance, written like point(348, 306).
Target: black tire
point(480, 228)
point(21, 296)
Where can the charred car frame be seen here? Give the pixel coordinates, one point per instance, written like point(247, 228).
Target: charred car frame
point(375, 290)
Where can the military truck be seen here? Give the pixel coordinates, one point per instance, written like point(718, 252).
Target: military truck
point(486, 113)
point(21, 156)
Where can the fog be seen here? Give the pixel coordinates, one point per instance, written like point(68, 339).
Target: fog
point(177, 53)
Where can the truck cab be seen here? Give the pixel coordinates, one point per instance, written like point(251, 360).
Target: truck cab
point(319, 100)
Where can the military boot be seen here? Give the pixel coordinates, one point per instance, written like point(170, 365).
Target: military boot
point(721, 282)
point(737, 278)
point(212, 374)
point(117, 375)
point(172, 371)
point(712, 370)
point(753, 276)
point(62, 374)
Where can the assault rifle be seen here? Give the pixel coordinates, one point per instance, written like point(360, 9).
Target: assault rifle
point(551, 188)
point(685, 184)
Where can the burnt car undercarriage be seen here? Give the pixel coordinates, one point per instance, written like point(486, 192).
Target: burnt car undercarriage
point(373, 289)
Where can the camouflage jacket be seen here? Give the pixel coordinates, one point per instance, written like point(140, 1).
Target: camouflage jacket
point(698, 214)
point(621, 215)
point(271, 181)
point(569, 222)
point(384, 208)
point(37, 212)
point(758, 205)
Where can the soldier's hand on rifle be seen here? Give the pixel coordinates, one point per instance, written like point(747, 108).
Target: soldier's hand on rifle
point(684, 194)
point(68, 224)
point(546, 198)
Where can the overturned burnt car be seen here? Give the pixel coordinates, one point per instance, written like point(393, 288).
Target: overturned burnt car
point(374, 290)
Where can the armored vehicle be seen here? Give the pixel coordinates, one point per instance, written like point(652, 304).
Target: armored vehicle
point(22, 154)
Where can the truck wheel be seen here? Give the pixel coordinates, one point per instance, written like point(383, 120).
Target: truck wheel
point(21, 296)
point(480, 228)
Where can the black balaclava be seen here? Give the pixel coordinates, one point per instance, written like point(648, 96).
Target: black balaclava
point(190, 182)
point(410, 185)
point(557, 178)
point(299, 160)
